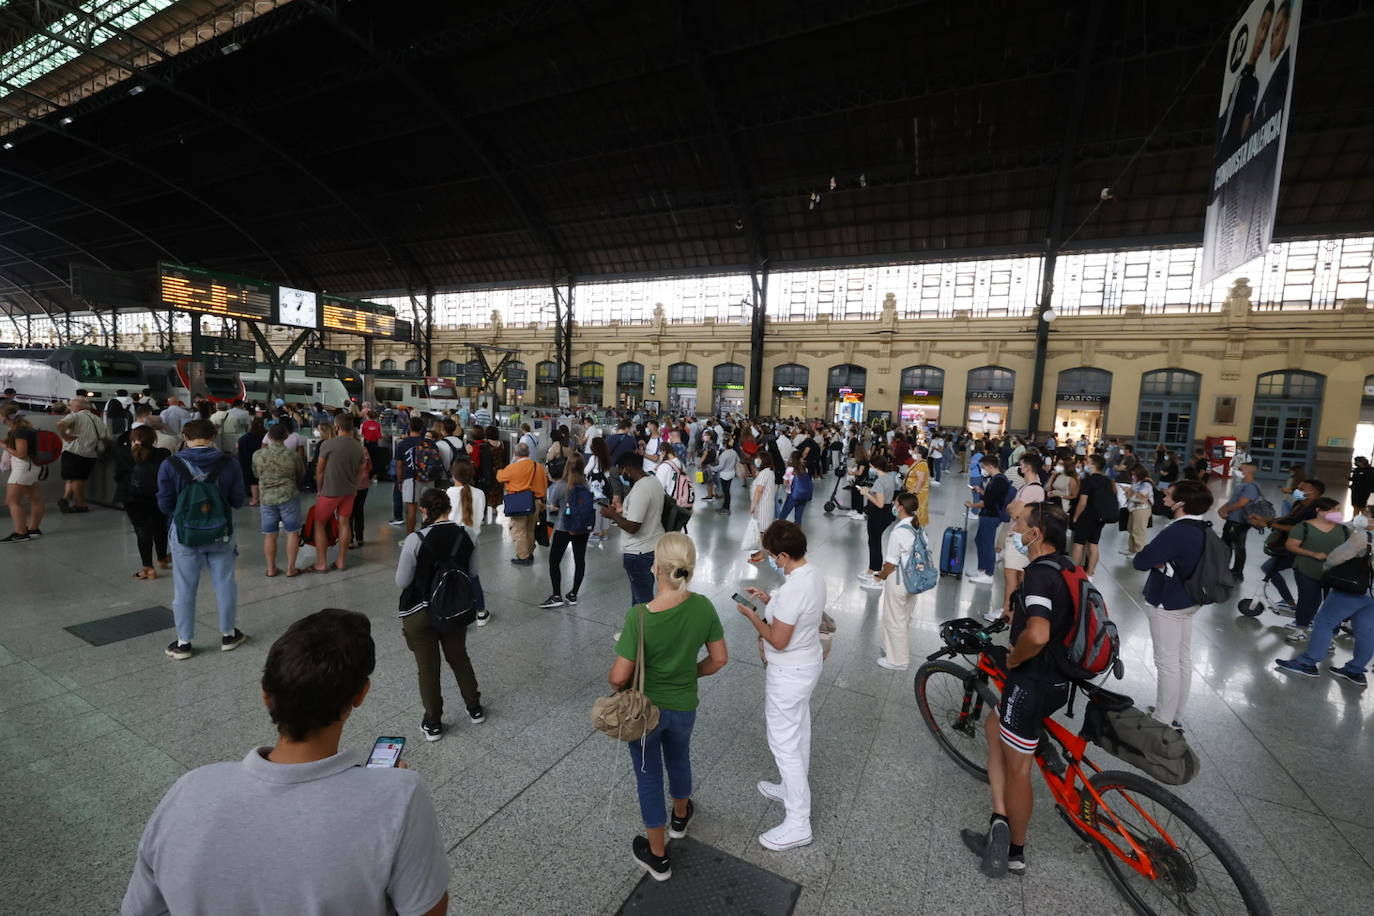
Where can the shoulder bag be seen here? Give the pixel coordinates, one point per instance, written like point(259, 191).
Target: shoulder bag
point(1354, 576)
point(627, 714)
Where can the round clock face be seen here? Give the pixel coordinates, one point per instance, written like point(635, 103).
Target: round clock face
point(298, 307)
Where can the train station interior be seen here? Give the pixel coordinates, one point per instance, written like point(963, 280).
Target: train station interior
point(722, 238)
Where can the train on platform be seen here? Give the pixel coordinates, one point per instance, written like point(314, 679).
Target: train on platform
point(430, 394)
point(169, 375)
point(44, 376)
point(345, 387)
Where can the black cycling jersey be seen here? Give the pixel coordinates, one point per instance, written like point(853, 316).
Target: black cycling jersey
point(1043, 594)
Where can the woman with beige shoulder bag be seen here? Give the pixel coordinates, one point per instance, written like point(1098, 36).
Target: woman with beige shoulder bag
point(664, 667)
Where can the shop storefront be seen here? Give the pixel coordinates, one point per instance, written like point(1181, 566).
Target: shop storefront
point(845, 388)
point(591, 384)
point(1168, 411)
point(1080, 404)
point(629, 385)
point(988, 407)
point(682, 387)
point(727, 389)
point(1288, 408)
point(789, 390)
point(922, 387)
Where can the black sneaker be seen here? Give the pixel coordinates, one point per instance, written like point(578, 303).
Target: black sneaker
point(995, 853)
point(570, 597)
point(475, 713)
point(64, 506)
point(677, 826)
point(180, 651)
point(433, 731)
point(483, 617)
point(551, 602)
point(15, 538)
point(1355, 677)
point(230, 643)
point(656, 866)
point(35, 533)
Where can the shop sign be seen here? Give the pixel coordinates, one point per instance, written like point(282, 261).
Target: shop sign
point(791, 389)
point(989, 395)
point(1083, 398)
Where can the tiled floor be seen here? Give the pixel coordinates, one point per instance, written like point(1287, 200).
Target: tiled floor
point(537, 810)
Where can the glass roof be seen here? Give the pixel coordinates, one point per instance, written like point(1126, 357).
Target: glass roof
point(38, 54)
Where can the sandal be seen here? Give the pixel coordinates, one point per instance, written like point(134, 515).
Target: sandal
point(146, 574)
point(271, 573)
point(292, 573)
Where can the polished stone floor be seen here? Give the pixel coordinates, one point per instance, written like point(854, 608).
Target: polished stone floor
point(537, 810)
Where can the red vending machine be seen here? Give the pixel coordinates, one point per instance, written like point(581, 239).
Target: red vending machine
point(1221, 450)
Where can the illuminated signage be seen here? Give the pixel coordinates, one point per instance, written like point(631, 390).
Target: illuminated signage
point(353, 316)
point(191, 289)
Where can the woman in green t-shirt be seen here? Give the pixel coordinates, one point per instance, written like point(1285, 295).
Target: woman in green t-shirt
point(677, 623)
point(1310, 542)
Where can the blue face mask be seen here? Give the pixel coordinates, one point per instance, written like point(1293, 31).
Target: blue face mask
point(625, 481)
point(1018, 543)
point(772, 561)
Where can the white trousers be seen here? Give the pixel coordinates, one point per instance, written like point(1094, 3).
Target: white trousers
point(1172, 635)
point(896, 604)
point(787, 712)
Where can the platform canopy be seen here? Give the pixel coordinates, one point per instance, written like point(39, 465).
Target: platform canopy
point(376, 146)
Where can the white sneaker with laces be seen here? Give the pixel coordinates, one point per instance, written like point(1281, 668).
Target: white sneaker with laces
point(771, 790)
point(873, 584)
point(890, 666)
point(980, 579)
point(786, 836)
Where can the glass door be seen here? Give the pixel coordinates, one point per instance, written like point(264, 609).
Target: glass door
point(1281, 436)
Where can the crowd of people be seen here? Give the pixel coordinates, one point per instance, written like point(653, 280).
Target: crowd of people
point(1038, 509)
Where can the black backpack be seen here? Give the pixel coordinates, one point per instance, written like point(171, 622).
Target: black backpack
point(1104, 502)
point(143, 481)
point(442, 587)
point(1212, 581)
point(486, 474)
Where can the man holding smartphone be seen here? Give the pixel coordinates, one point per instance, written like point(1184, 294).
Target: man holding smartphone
point(300, 827)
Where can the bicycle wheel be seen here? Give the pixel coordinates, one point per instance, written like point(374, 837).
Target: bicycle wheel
point(954, 712)
point(1198, 872)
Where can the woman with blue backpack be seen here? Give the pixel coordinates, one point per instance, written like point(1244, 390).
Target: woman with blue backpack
point(572, 507)
point(907, 570)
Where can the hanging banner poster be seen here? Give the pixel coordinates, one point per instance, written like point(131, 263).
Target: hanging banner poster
point(1251, 128)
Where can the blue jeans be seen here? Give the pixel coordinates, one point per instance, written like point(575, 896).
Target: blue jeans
point(186, 567)
point(477, 593)
point(666, 747)
point(1310, 594)
point(985, 539)
point(1338, 606)
point(937, 468)
point(640, 568)
point(1273, 572)
point(790, 504)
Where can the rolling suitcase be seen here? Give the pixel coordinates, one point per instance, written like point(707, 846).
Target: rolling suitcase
point(953, 546)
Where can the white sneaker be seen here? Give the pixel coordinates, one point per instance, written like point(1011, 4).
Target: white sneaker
point(857, 516)
point(1298, 634)
point(397, 523)
point(615, 637)
point(873, 585)
point(980, 579)
point(786, 836)
point(934, 482)
point(993, 615)
point(771, 790)
point(890, 666)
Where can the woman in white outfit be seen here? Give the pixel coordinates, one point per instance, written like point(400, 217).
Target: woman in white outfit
point(763, 503)
point(897, 602)
point(792, 651)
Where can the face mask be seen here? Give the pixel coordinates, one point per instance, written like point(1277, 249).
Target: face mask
point(758, 462)
point(1334, 516)
point(625, 481)
point(1361, 521)
point(1019, 544)
point(772, 561)
point(1059, 468)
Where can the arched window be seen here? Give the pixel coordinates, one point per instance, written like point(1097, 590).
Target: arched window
point(359, 365)
point(591, 370)
point(388, 365)
point(1170, 383)
point(682, 375)
point(448, 368)
point(847, 375)
point(516, 375)
point(992, 378)
point(922, 378)
point(413, 366)
point(1086, 381)
point(1168, 411)
point(1290, 384)
point(728, 375)
point(546, 382)
point(630, 375)
point(1287, 411)
point(791, 375)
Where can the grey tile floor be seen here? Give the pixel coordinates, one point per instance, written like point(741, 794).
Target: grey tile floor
point(537, 811)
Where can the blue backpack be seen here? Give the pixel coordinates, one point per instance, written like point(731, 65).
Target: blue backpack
point(580, 510)
point(802, 488)
point(919, 574)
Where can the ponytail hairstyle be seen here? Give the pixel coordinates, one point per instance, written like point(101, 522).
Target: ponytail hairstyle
point(676, 557)
point(141, 441)
point(463, 475)
point(572, 473)
point(435, 503)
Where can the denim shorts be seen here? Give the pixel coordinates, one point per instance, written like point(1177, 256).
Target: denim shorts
point(288, 514)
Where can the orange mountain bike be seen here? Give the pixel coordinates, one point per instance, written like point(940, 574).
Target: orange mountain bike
point(1161, 854)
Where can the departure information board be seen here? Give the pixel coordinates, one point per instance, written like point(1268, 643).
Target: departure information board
point(353, 316)
point(192, 289)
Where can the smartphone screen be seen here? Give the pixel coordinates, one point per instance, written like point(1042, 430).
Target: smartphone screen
point(386, 752)
point(743, 599)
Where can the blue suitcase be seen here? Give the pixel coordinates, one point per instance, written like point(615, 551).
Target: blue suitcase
point(953, 546)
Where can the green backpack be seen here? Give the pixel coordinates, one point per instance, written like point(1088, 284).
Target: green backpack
point(201, 513)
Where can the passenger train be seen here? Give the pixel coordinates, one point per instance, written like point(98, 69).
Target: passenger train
point(429, 395)
point(44, 376)
point(345, 388)
point(169, 375)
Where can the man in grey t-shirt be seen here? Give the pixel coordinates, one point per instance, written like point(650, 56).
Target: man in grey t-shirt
point(301, 827)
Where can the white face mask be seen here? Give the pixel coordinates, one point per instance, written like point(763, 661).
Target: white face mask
point(1059, 468)
point(1361, 521)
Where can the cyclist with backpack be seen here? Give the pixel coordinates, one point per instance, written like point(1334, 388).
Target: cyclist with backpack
point(898, 600)
point(136, 470)
point(573, 507)
point(434, 575)
point(22, 447)
point(1042, 614)
point(197, 489)
point(1172, 559)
